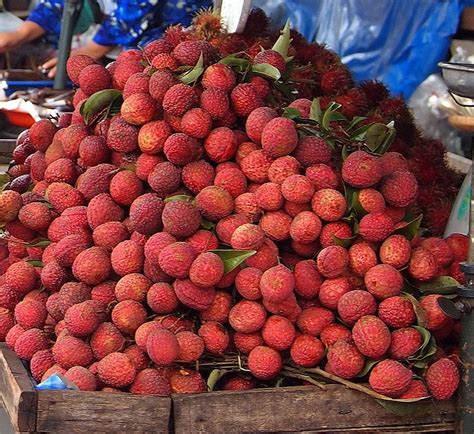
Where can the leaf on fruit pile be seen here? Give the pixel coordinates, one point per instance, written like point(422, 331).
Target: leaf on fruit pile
point(266, 70)
point(291, 113)
point(427, 350)
point(100, 105)
point(35, 262)
point(315, 110)
point(440, 285)
point(231, 61)
point(411, 228)
point(43, 242)
point(282, 44)
point(375, 136)
point(4, 179)
point(192, 75)
point(214, 377)
point(343, 242)
point(206, 224)
point(179, 198)
point(419, 311)
point(331, 114)
point(367, 368)
point(418, 407)
point(233, 258)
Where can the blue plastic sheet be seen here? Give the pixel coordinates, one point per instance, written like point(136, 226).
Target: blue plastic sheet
point(398, 42)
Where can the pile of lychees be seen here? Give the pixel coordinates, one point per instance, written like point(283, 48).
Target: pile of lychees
point(205, 220)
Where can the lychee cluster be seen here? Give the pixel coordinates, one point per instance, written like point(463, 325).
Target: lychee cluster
point(201, 221)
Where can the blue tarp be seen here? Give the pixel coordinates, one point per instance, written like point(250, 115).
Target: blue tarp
point(398, 42)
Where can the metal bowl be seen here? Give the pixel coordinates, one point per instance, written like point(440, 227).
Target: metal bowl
point(459, 77)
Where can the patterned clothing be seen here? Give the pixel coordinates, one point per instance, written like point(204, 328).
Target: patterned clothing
point(127, 22)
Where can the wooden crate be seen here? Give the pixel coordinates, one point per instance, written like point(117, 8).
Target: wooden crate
point(70, 412)
point(305, 408)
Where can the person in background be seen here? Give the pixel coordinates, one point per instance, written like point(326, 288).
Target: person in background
point(124, 23)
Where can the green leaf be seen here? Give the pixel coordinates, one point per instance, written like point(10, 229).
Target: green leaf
point(344, 152)
point(355, 120)
point(35, 262)
point(214, 377)
point(408, 407)
point(291, 113)
point(129, 167)
point(266, 70)
point(359, 135)
point(410, 229)
point(440, 285)
point(426, 335)
point(43, 242)
point(315, 110)
point(179, 198)
point(192, 75)
point(235, 61)
point(343, 242)
point(375, 136)
point(282, 44)
point(330, 116)
point(99, 105)
point(390, 137)
point(419, 311)
point(357, 206)
point(4, 179)
point(233, 258)
point(206, 224)
point(367, 368)
point(409, 288)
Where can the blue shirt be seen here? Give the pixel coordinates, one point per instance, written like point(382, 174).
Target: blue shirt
point(131, 23)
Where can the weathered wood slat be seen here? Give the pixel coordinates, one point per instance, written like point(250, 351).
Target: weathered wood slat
point(16, 391)
point(73, 412)
point(293, 409)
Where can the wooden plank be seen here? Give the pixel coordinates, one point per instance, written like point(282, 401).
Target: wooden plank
point(95, 412)
point(296, 409)
point(16, 391)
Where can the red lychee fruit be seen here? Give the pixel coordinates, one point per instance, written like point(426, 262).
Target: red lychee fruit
point(278, 333)
point(187, 381)
point(116, 370)
point(216, 103)
point(6, 323)
point(395, 251)
point(397, 312)
point(276, 225)
point(150, 382)
point(94, 78)
point(198, 175)
point(423, 265)
point(176, 259)
point(269, 197)
point(245, 99)
point(207, 269)
point(361, 170)
point(371, 336)
point(390, 378)
point(282, 168)
point(435, 317)
point(416, 389)
point(127, 257)
point(203, 240)
point(331, 290)
point(92, 266)
point(152, 136)
point(405, 342)
point(247, 283)
point(356, 304)
point(247, 237)
point(161, 298)
point(312, 150)
point(29, 342)
point(180, 149)
point(271, 57)
point(221, 144)
point(247, 316)
point(146, 212)
point(344, 360)
point(218, 76)
point(69, 351)
point(264, 363)
point(84, 379)
point(439, 249)
point(361, 259)
point(314, 319)
point(163, 347)
point(307, 351)
point(399, 188)
point(279, 137)
point(214, 202)
point(21, 277)
point(256, 165)
point(335, 332)
point(30, 314)
point(459, 246)
point(297, 188)
point(128, 315)
point(40, 362)
point(442, 379)
point(376, 227)
point(36, 216)
point(193, 296)
point(181, 219)
point(122, 136)
point(329, 205)
point(196, 123)
point(132, 286)
point(75, 64)
point(10, 204)
point(257, 120)
point(332, 261)
point(178, 99)
point(41, 134)
point(215, 337)
point(106, 339)
point(277, 283)
point(383, 281)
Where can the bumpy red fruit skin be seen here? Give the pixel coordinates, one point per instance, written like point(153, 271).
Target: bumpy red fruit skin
point(122, 136)
point(328, 204)
point(127, 257)
point(219, 309)
point(279, 137)
point(150, 382)
point(187, 381)
point(397, 312)
point(459, 246)
point(116, 370)
point(180, 219)
point(422, 265)
point(322, 176)
point(400, 188)
point(162, 347)
point(345, 360)
point(69, 351)
point(383, 281)
point(30, 314)
point(332, 261)
point(92, 266)
point(82, 378)
point(247, 237)
point(314, 319)
point(216, 103)
point(197, 175)
point(75, 64)
point(335, 332)
point(278, 333)
point(297, 188)
point(307, 351)
point(191, 346)
point(161, 298)
point(376, 226)
point(218, 76)
point(40, 362)
point(41, 134)
point(106, 339)
point(356, 304)
point(35, 216)
point(331, 290)
point(146, 213)
point(361, 170)
point(276, 225)
point(10, 204)
point(255, 166)
point(257, 120)
point(192, 296)
point(439, 249)
point(395, 251)
point(277, 283)
point(245, 99)
point(6, 323)
point(221, 144)
point(94, 78)
point(206, 270)
point(405, 342)
point(371, 336)
point(416, 389)
point(361, 259)
point(29, 342)
point(176, 259)
point(442, 379)
point(247, 316)
point(179, 99)
point(215, 336)
point(390, 378)
point(264, 363)
point(312, 150)
point(214, 202)
point(247, 283)
point(436, 318)
point(128, 315)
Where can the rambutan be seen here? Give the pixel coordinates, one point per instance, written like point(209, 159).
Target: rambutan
point(437, 215)
point(174, 35)
point(375, 91)
point(336, 80)
point(257, 23)
point(207, 23)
